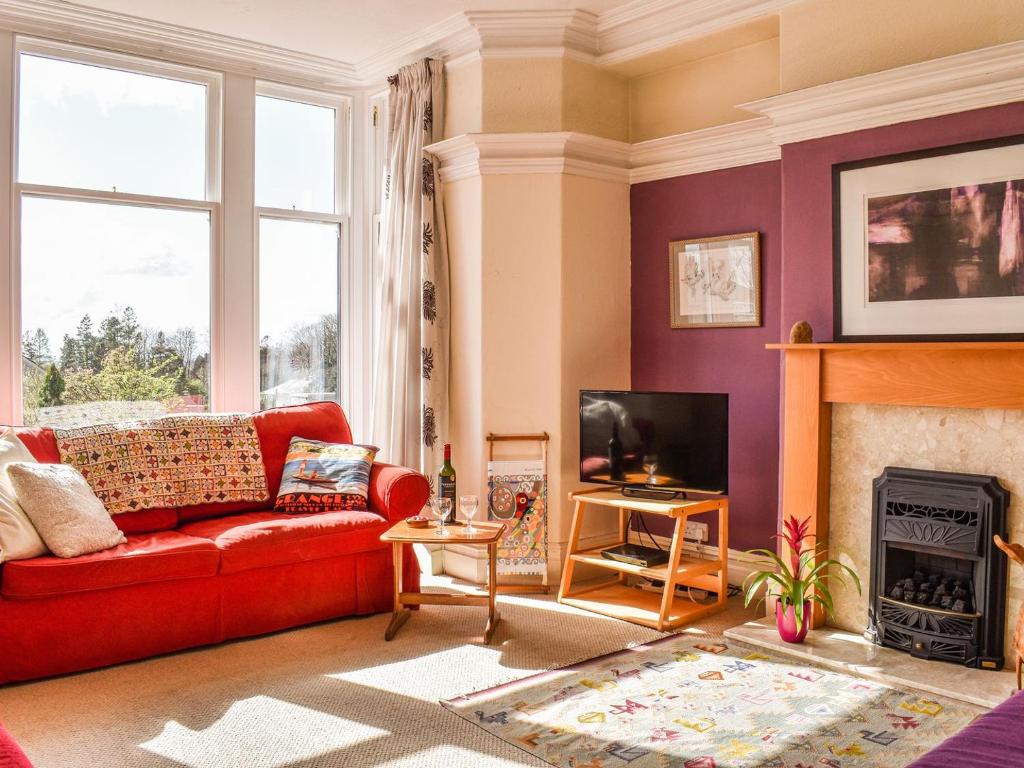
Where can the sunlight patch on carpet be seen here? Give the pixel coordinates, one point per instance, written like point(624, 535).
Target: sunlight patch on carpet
point(260, 731)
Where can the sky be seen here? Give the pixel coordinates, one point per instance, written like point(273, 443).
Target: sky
point(97, 128)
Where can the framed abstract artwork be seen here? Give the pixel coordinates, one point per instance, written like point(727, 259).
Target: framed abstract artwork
point(715, 282)
point(930, 245)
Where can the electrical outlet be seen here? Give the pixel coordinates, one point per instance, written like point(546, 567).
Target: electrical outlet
point(696, 531)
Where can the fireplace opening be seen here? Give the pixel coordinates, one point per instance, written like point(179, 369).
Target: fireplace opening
point(938, 583)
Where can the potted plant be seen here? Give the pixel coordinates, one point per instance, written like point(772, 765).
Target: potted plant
point(796, 583)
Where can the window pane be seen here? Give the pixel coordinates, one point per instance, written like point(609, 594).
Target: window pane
point(294, 155)
point(298, 312)
point(97, 128)
point(115, 311)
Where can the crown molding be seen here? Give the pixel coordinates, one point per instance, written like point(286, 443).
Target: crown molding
point(575, 154)
point(636, 29)
point(131, 34)
point(646, 26)
point(985, 77)
point(708, 149)
point(579, 154)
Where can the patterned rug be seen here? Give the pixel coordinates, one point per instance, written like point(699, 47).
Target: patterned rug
point(678, 703)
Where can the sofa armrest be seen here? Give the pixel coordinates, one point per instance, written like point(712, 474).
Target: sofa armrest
point(397, 492)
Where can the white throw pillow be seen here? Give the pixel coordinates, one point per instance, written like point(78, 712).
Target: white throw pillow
point(18, 538)
point(63, 508)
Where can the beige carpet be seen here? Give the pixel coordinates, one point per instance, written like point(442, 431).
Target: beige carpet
point(330, 695)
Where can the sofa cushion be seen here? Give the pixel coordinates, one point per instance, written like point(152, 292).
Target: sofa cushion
point(324, 477)
point(262, 539)
point(69, 518)
point(276, 427)
point(161, 556)
point(42, 444)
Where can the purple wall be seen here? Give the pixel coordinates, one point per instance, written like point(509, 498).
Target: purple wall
point(731, 360)
point(790, 203)
point(807, 198)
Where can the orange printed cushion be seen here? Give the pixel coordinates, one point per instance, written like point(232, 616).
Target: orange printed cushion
point(324, 477)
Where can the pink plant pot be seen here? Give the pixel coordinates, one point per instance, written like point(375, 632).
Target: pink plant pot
point(785, 620)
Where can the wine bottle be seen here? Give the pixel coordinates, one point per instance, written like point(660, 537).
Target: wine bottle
point(615, 468)
point(446, 482)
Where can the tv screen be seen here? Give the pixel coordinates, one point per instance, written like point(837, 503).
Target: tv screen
point(670, 440)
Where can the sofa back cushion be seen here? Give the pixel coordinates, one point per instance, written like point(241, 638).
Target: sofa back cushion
point(42, 444)
point(276, 427)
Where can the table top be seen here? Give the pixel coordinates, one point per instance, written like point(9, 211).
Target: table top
point(487, 532)
point(680, 507)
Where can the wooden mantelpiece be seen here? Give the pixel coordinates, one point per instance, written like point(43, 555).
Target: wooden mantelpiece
point(938, 374)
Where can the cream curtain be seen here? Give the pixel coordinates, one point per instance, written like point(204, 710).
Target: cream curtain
point(410, 403)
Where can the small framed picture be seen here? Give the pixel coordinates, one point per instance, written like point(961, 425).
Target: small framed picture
point(716, 281)
point(929, 246)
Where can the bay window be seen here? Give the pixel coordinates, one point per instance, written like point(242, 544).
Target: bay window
point(301, 200)
point(160, 245)
point(115, 201)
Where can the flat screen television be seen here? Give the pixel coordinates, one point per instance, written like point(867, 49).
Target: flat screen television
point(671, 441)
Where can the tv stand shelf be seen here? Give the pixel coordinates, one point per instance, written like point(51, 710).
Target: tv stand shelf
point(615, 598)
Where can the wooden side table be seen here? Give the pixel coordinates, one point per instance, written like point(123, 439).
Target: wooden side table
point(615, 598)
point(487, 533)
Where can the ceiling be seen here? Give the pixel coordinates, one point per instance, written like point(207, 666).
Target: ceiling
point(344, 30)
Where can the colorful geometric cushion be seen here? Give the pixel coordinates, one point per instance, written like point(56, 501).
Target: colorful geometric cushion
point(324, 477)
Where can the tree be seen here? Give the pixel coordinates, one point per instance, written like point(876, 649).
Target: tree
point(79, 352)
point(117, 332)
point(52, 392)
point(184, 342)
point(35, 347)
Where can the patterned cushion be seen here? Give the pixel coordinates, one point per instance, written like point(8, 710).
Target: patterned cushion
point(168, 462)
point(323, 477)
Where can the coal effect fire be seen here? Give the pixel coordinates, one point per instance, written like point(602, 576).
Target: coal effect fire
point(934, 590)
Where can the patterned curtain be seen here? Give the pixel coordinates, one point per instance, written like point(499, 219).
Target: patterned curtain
point(410, 404)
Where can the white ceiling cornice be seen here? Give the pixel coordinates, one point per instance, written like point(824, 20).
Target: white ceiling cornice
point(574, 154)
point(89, 26)
point(727, 146)
point(982, 78)
point(709, 149)
point(636, 29)
point(646, 26)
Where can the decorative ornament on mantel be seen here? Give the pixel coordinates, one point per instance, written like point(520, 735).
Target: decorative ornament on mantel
point(801, 333)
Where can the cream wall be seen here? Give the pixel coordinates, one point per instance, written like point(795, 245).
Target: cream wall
point(827, 40)
point(595, 317)
point(702, 93)
point(463, 98)
point(535, 95)
point(540, 294)
point(813, 42)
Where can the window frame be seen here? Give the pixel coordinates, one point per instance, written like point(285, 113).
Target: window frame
point(341, 217)
point(214, 83)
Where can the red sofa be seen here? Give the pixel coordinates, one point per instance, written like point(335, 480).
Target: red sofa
point(203, 574)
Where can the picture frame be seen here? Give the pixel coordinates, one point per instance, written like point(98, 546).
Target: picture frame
point(715, 282)
point(929, 245)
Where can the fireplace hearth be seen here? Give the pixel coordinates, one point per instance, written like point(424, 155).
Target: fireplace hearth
point(938, 583)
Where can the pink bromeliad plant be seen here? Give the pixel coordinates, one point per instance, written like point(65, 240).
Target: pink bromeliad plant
point(797, 583)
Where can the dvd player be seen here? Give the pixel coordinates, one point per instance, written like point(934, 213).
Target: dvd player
point(634, 554)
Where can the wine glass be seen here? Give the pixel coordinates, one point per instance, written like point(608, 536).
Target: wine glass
point(443, 511)
point(650, 467)
point(469, 505)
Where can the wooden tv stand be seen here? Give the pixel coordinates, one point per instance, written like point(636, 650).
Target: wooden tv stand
point(619, 600)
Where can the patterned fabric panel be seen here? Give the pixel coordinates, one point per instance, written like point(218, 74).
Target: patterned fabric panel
point(324, 477)
point(173, 461)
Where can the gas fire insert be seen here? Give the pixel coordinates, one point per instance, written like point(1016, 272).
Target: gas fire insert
point(938, 583)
